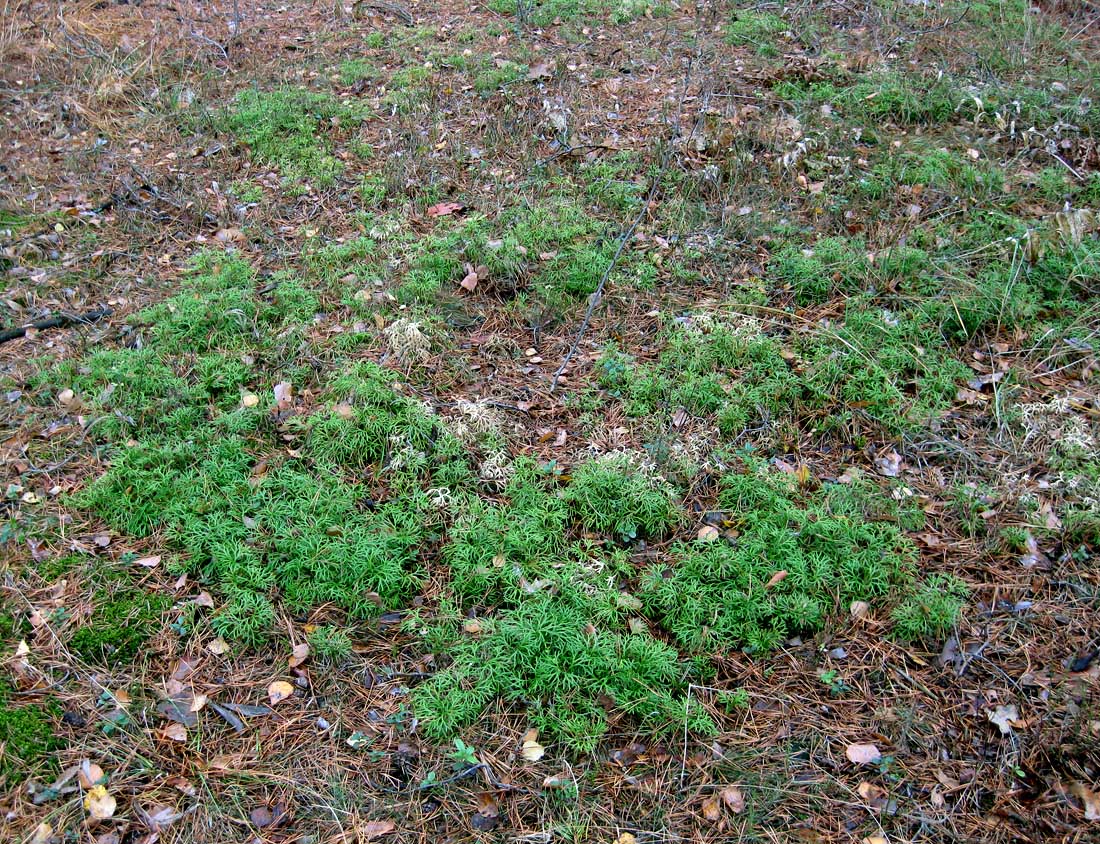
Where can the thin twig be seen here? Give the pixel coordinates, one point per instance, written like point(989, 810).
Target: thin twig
point(55, 321)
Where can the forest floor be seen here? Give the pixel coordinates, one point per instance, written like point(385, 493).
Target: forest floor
point(579, 420)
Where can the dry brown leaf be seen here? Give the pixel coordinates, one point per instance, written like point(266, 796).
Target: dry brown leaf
point(148, 562)
point(90, 775)
point(1089, 798)
point(869, 791)
point(469, 282)
point(299, 654)
point(445, 209)
point(1005, 717)
point(99, 804)
point(889, 464)
point(279, 691)
point(375, 829)
point(775, 579)
point(707, 533)
point(733, 799)
point(487, 805)
point(538, 71)
point(158, 816)
point(42, 833)
point(711, 810)
point(859, 609)
point(229, 235)
point(863, 754)
point(175, 732)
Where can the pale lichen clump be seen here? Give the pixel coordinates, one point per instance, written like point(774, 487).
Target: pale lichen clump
point(708, 322)
point(1056, 423)
point(496, 469)
point(475, 420)
point(408, 341)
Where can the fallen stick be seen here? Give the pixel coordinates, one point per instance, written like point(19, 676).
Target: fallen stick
point(55, 321)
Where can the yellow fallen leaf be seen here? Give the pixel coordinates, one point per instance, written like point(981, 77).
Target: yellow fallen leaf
point(279, 691)
point(99, 804)
point(532, 751)
point(42, 833)
point(626, 838)
point(218, 647)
